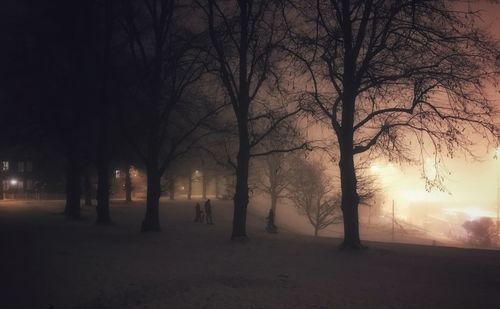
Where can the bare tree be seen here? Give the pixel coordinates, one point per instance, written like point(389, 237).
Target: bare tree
point(273, 181)
point(244, 37)
point(480, 231)
point(392, 77)
point(312, 192)
point(165, 122)
point(275, 168)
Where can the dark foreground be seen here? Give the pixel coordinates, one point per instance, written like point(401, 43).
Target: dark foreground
point(48, 262)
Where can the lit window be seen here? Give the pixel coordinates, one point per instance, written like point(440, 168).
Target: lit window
point(117, 174)
point(5, 165)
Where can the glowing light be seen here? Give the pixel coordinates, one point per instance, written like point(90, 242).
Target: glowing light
point(196, 171)
point(414, 195)
point(13, 182)
point(472, 212)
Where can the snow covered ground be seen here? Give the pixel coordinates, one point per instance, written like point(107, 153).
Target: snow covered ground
point(49, 262)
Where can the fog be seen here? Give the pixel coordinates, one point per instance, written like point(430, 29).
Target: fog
point(421, 215)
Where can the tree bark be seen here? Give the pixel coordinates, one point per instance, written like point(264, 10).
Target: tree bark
point(348, 181)
point(128, 185)
point(274, 203)
point(102, 209)
point(190, 184)
point(103, 155)
point(216, 178)
point(204, 185)
point(151, 221)
point(316, 227)
point(243, 160)
point(241, 194)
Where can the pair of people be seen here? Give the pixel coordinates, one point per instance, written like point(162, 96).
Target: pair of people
point(208, 212)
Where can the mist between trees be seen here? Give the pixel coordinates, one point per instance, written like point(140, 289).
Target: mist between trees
point(168, 85)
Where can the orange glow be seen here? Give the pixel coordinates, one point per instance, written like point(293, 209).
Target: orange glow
point(471, 188)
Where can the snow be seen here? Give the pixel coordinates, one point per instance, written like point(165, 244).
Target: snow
point(49, 262)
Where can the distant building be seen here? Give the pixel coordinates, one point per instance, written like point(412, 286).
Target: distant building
point(18, 178)
point(26, 174)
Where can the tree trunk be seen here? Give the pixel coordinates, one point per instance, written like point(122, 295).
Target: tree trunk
point(171, 188)
point(316, 227)
point(241, 111)
point(216, 186)
point(102, 208)
point(87, 188)
point(241, 194)
point(204, 185)
point(103, 155)
point(274, 203)
point(73, 189)
point(348, 181)
point(190, 185)
point(151, 220)
point(350, 200)
point(128, 185)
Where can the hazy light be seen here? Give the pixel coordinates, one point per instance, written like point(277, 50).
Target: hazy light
point(416, 195)
point(13, 182)
point(497, 153)
point(374, 169)
point(472, 212)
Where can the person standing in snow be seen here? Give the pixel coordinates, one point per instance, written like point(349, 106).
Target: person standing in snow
point(271, 227)
point(208, 212)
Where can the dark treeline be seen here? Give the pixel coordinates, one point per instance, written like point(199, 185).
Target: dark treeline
point(165, 85)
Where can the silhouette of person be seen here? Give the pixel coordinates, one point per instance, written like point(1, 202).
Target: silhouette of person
point(198, 213)
point(271, 227)
point(208, 212)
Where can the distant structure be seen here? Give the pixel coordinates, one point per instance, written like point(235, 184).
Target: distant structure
point(18, 179)
point(31, 174)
